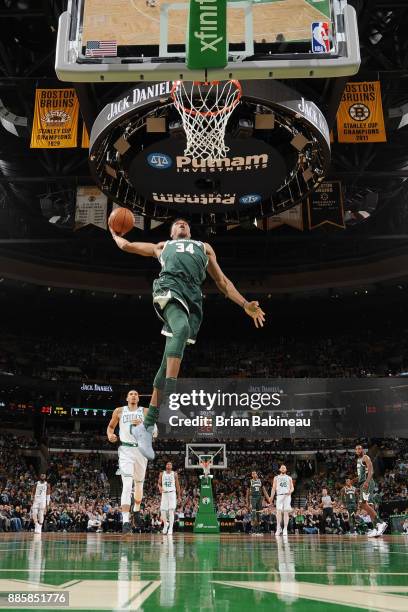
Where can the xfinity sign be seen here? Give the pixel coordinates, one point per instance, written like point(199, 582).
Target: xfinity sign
point(207, 34)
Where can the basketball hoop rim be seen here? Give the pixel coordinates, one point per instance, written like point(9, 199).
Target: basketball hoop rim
point(194, 112)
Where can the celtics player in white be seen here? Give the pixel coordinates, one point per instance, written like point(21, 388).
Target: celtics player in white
point(169, 488)
point(41, 499)
point(283, 488)
point(132, 464)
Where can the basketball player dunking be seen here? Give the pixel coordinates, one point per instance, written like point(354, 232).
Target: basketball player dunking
point(169, 488)
point(132, 464)
point(367, 486)
point(41, 499)
point(177, 299)
point(283, 487)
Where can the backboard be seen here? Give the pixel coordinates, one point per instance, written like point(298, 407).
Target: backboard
point(197, 453)
point(136, 40)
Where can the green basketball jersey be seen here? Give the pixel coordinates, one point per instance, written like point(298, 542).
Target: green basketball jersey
point(256, 487)
point(361, 471)
point(349, 496)
point(184, 259)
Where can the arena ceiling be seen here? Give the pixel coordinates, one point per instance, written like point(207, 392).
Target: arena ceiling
point(374, 175)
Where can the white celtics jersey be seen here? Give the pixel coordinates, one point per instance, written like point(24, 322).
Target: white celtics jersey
point(40, 495)
point(127, 417)
point(168, 482)
point(283, 484)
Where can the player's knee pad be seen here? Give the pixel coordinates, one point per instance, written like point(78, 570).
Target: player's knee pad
point(125, 498)
point(178, 341)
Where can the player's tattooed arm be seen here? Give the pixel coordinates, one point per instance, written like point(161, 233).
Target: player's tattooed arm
point(370, 470)
point(226, 286)
point(145, 249)
point(110, 431)
point(159, 483)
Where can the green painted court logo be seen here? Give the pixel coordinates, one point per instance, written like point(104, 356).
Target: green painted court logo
point(206, 500)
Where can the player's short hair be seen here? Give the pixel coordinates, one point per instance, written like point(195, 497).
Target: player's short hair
point(179, 219)
point(132, 391)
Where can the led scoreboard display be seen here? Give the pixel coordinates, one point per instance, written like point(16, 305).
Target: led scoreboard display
point(54, 410)
point(92, 412)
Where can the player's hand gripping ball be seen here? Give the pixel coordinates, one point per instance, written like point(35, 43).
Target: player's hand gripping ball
point(121, 221)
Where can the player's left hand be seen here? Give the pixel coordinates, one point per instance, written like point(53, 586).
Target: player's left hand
point(255, 312)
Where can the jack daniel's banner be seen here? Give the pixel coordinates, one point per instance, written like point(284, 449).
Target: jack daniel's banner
point(55, 121)
point(360, 117)
point(325, 206)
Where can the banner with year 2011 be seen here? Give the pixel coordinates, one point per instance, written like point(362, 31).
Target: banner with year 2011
point(360, 117)
point(55, 121)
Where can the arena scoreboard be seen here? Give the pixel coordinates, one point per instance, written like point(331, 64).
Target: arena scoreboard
point(91, 412)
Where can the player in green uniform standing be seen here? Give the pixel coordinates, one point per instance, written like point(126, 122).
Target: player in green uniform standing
point(367, 487)
point(349, 499)
point(255, 494)
point(177, 299)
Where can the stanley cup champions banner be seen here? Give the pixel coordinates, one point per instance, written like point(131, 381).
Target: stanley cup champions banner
point(360, 117)
point(55, 122)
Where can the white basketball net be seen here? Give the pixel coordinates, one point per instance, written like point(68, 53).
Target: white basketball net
point(205, 109)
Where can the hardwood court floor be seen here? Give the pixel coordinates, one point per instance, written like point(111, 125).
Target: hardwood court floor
point(132, 22)
point(198, 572)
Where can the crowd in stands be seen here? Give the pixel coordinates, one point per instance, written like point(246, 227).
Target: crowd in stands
point(85, 491)
point(380, 351)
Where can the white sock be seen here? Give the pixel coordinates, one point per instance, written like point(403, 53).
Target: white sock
point(171, 518)
point(125, 517)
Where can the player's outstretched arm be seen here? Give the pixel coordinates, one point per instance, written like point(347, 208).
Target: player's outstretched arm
point(226, 287)
point(145, 249)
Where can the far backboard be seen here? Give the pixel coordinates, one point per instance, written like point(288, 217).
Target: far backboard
point(124, 40)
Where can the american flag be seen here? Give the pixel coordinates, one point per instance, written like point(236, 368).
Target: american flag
point(101, 48)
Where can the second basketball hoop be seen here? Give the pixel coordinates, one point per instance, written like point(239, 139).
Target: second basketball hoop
point(205, 109)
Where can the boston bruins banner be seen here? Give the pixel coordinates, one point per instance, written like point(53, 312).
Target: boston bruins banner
point(325, 205)
point(360, 117)
point(55, 122)
point(91, 207)
point(85, 137)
